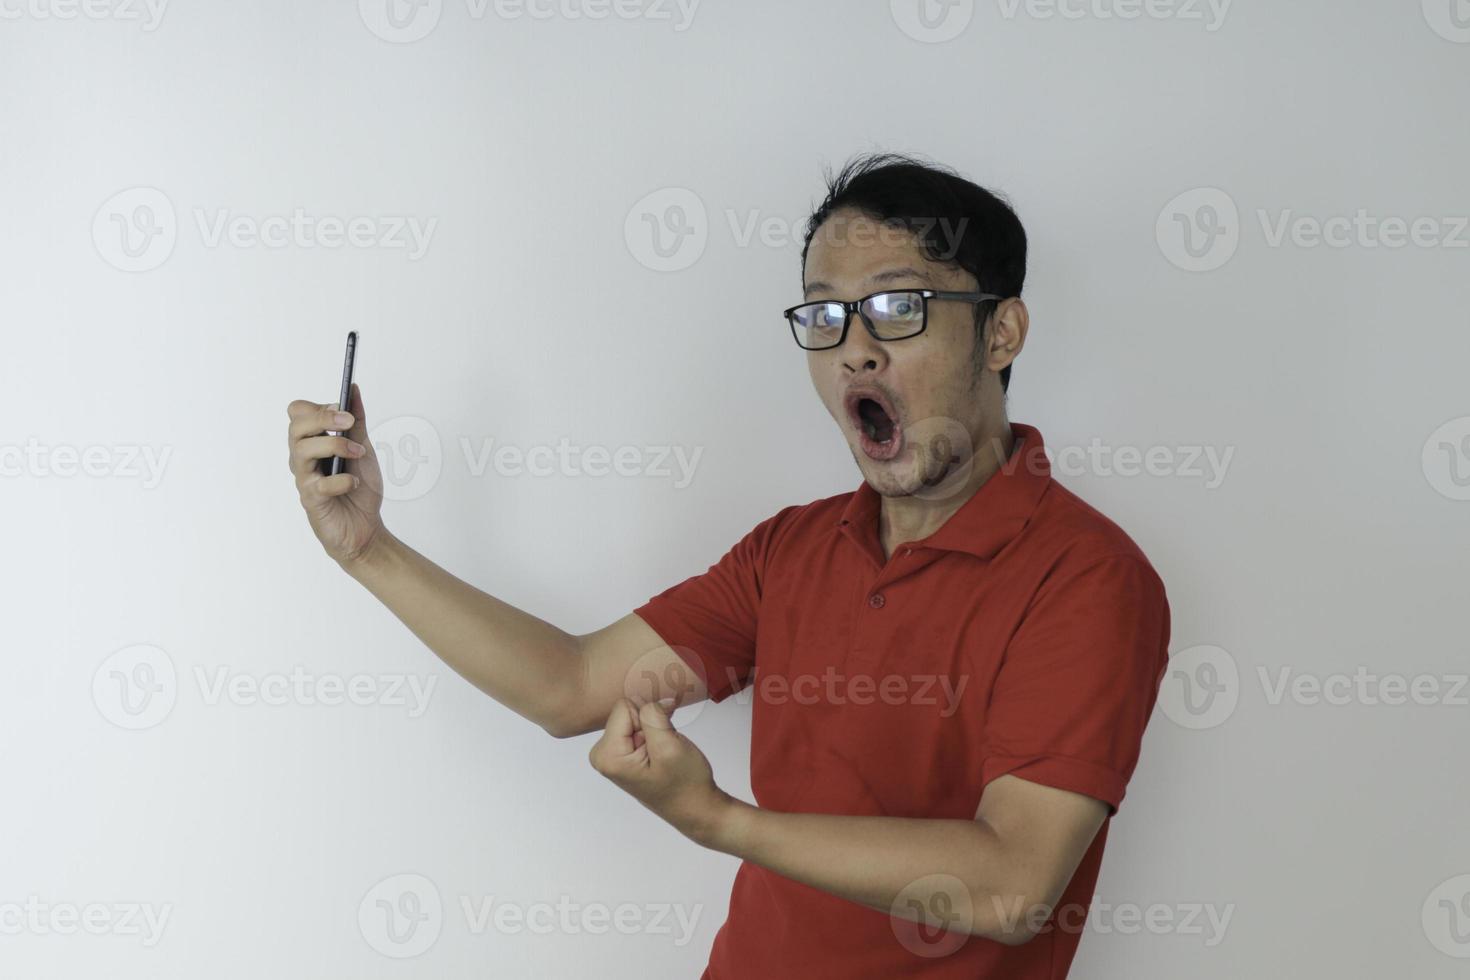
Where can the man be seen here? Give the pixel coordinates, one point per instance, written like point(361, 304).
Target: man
point(952, 666)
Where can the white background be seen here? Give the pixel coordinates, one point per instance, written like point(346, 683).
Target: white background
point(1334, 544)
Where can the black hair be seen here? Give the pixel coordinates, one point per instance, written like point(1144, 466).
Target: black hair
point(957, 222)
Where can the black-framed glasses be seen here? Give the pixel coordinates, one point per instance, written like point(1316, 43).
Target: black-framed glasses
point(892, 314)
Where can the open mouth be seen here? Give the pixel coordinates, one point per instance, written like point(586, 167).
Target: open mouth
point(879, 427)
point(874, 420)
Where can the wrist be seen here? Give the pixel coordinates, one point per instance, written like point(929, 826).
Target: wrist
point(373, 556)
point(726, 825)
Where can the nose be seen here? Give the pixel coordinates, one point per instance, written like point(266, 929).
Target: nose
point(861, 350)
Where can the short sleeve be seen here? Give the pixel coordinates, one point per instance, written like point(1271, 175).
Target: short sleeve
point(1079, 681)
point(710, 619)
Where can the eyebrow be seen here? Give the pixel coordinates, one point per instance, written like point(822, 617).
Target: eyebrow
point(877, 279)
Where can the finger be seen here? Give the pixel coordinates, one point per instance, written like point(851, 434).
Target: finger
point(313, 420)
point(611, 753)
point(658, 731)
point(336, 486)
point(653, 715)
point(305, 452)
point(620, 727)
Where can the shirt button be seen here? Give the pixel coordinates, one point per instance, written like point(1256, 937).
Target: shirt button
point(876, 600)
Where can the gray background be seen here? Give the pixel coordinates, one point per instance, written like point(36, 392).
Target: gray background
point(543, 150)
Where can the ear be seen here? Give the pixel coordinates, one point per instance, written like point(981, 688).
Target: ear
point(1005, 334)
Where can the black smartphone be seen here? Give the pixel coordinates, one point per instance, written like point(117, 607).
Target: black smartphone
point(333, 465)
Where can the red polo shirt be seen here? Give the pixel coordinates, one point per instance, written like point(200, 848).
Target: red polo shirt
point(1027, 635)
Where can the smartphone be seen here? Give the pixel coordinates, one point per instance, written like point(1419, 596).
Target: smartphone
point(333, 465)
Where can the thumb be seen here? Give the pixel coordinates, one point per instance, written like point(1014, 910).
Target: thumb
point(658, 729)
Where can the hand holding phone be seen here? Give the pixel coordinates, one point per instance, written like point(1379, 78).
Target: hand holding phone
point(344, 504)
point(336, 464)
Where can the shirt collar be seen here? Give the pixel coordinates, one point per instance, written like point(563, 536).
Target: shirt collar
point(985, 523)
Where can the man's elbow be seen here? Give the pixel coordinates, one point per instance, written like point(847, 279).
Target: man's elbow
point(1014, 918)
point(1013, 921)
point(567, 724)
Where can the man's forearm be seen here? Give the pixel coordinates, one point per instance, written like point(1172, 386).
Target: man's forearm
point(525, 663)
point(875, 860)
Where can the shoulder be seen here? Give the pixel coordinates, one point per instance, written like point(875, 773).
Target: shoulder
point(1067, 536)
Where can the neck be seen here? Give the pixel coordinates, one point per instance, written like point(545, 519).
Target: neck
point(913, 518)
